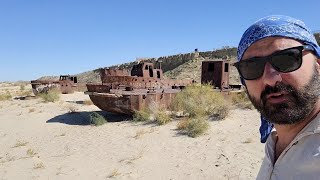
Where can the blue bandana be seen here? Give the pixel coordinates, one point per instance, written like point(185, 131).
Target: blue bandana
point(277, 25)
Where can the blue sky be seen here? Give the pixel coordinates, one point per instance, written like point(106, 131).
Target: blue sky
point(53, 37)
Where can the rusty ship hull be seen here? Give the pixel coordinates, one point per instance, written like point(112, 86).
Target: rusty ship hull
point(127, 102)
point(125, 92)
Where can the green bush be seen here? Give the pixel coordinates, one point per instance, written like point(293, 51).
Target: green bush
point(51, 96)
point(162, 118)
point(193, 127)
point(96, 119)
point(201, 101)
point(142, 115)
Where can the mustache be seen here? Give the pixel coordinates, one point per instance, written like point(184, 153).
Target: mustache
point(278, 88)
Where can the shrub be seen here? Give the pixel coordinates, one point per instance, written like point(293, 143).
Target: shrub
point(162, 118)
point(5, 96)
point(200, 101)
point(96, 119)
point(196, 127)
point(51, 96)
point(142, 115)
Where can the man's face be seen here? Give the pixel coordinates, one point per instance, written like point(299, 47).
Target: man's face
point(283, 98)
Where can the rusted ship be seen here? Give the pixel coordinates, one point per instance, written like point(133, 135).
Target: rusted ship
point(66, 84)
point(125, 92)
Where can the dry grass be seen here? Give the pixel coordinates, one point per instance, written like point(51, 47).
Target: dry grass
point(114, 173)
point(39, 165)
point(162, 118)
point(52, 95)
point(5, 96)
point(201, 101)
point(143, 115)
point(22, 87)
point(20, 144)
point(31, 153)
point(193, 127)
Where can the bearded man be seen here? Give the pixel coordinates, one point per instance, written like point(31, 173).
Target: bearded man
point(279, 63)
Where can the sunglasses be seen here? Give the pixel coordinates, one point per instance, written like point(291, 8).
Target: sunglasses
point(284, 61)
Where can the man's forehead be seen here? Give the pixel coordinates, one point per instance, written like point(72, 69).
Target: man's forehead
point(269, 45)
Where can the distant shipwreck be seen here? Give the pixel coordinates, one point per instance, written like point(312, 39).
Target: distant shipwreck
point(125, 92)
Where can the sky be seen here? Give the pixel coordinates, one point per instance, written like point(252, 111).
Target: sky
point(53, 37)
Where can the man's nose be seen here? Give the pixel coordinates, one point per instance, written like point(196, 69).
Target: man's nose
point(270, 76)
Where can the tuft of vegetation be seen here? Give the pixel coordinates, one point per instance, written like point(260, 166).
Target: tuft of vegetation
point(38, 166)
point(31, 153)
point(142, 116)
point(162, 118)
point(241, 100)
point(51, 95)
point(20, 143)
point(5, 96)
point(114, 173)
point(193, 127)
point(97, 119)
point(199, 101)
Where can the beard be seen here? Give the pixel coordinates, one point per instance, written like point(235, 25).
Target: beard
point(298, 106)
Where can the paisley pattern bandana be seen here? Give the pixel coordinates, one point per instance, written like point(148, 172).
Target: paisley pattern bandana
point(277, 25)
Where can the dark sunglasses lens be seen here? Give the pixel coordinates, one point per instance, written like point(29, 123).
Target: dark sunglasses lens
point(287, 61)
point(251, 69)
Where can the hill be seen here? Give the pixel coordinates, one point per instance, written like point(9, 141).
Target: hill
point(186, 65)
point(180, 66)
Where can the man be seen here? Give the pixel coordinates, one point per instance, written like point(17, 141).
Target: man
point(279, 62)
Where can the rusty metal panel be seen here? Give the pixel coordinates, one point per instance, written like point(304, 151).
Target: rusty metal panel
point(215, 73)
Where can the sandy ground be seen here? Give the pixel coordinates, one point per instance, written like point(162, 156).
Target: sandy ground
point(43, 141)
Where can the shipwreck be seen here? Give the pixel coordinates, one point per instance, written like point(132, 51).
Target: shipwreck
point(125, 92)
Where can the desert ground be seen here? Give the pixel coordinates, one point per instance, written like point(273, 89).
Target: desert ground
point(54, 141)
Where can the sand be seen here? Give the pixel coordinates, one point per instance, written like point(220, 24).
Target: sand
point(44, 141)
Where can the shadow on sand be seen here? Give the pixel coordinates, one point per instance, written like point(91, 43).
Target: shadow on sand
point(83, 118)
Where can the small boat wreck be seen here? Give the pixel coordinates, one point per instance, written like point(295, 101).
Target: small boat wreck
point(125, 92)
point(66, 84)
